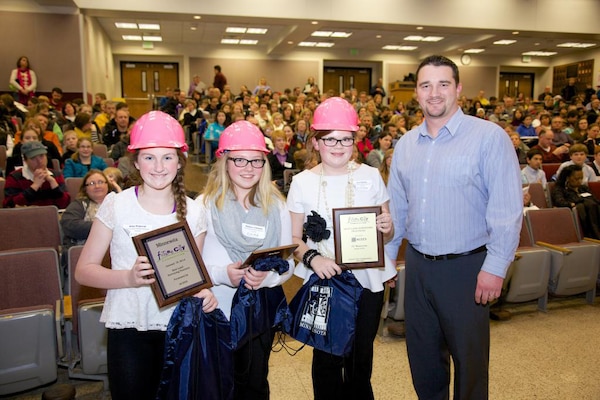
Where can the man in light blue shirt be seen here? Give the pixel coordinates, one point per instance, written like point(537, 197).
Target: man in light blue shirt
point(455, 190)
point(533, 172)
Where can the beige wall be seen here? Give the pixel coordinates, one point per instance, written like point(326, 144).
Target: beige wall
point(100, 73)
point(51, 41)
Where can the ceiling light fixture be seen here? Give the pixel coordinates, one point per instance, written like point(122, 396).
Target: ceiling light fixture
point(418, 38)
point(235, 29)
point(257, 31)
point(149, 27)
point(152, 38)
point(539, 53)
point(131, 37)
point(474, 51)
point(249, 41)
point(505, 42)
point(400, 48)
point(126, 25)
point(230, 41)
point(197, 17)
point(576, 45)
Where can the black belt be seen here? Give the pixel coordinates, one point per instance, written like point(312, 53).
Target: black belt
point(451, 256)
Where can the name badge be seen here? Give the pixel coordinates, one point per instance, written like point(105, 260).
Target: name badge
point(287, 164)
point(363, 186)
point(254, 231)
point(585, 194)
point(137, 229)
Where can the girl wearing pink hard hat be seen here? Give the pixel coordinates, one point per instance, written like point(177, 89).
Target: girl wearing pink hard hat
point(136, 324)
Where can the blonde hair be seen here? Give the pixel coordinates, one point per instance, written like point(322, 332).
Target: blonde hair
point(177, 186)
point(384, 170)
point(264, 194)
point(116, 173)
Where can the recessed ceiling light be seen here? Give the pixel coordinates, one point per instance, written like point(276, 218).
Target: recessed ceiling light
point(474, 51)
point(131, 37)
point(153, 38)
point(418, 38)
point(341, 34)
point(400, 48)
point(248, 41)
point(257, 31)
point(307, 44)
point(126, 25)
point(515, 32)
point(378, 36)
point(235, 29)
point(539, 53)
point(419, 28)
point(230, 41)
point(321, 33)
point(314, 22)
point(193, 28)
point(290, 42)
point(150, 27)
point(505, 42)
point(197, 17)
point(576, 45)
point(325, 44)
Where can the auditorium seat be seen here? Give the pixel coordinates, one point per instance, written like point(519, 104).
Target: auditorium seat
point(30, 311)
point(528, 276)
point(574, 263)
point(100, 150)
point(538, 194)
point(86, 335)
point(29, 227)
point(73, 184)
point(550, 169)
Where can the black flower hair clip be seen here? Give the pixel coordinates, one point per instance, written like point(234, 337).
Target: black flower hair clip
point(315, 228)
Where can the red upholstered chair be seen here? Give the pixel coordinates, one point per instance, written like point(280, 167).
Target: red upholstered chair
point(550, 169)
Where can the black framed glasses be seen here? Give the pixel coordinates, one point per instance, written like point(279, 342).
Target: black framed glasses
point(242, 162)
point(332, 142)
point(96, 183)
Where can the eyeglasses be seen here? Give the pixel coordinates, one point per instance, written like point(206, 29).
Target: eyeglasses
point(332, 142)
point(242, 162)
point(96, 183)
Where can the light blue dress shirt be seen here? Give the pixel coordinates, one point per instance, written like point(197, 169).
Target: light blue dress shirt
point(457, 192)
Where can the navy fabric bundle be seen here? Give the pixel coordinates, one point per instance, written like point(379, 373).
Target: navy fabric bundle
point(198, 355)
point(255, 311)
point(324, 313)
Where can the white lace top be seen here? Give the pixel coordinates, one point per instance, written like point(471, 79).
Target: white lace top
point(136, 307)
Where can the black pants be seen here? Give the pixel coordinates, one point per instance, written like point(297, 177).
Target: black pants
point(251, 368)
point(443, 320)
point(349, 377)
point(135, 361)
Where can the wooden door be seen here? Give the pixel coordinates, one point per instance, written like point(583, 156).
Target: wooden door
point(340, 79)
point(511, 84)
point(143, 83)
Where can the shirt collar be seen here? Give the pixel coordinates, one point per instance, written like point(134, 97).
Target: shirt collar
point(451, 126)
point(26, 172)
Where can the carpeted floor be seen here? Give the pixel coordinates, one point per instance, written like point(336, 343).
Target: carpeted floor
point(534, 355)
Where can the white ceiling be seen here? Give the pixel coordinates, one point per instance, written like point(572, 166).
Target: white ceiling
point(285, 33)
point(176, 30)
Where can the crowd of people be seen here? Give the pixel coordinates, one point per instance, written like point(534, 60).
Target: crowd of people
point(347, 150)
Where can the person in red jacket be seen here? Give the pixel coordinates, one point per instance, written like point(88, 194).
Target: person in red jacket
point(35, 184)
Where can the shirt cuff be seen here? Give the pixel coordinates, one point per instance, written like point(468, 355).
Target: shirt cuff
point(495, 265)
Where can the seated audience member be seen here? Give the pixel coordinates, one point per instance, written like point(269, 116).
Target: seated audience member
point(525, 128)
point(35, 184)
point(551, 153)
point(83, 160)
point(31, 132)
point(533, 172)
point(384, 168)
point(578, 154)
point(592, 137)
point(300, 136)
point(119, 149)
point(560, 136)
point(516, 141)
point(363, 143)
point(596, 163)
point(382, 144)
point(70, 147)
point(82, 125)
point(117, 126)
point(115, 179)
point(76, 221)
point(108, 112)
point(279, 159)
point(569, 191)
point(213, 132)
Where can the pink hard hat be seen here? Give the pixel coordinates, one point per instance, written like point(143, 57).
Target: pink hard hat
point(241, 135)
point(157, 129)
point(335, 114)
